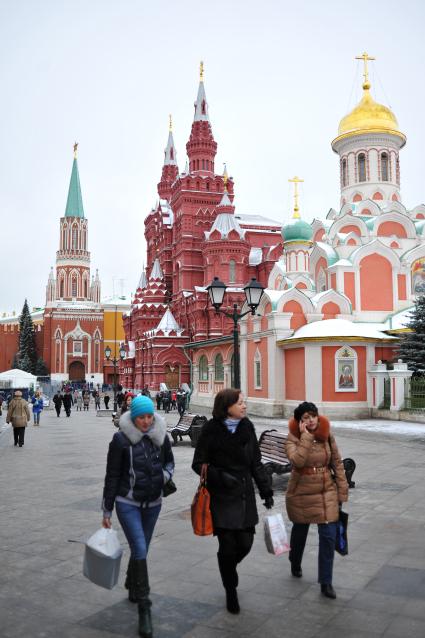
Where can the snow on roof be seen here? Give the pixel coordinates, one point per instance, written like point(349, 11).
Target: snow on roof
point(168, 322)
point(116, 300)
point(330, 252)
point(224, 223)
point(400, 319)
point(343, 262)
point(339, 328)
point(255, 256)
point(257, 220)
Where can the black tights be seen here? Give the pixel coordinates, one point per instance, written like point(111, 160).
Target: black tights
point(233, 546)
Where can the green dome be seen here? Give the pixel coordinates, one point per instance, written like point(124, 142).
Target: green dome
point(297, 230)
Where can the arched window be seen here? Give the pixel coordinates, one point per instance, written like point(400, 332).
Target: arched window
point(218, 368)
point(346, 370)
point(61, 288)
point(384, 167)
point(361, 167)
point(74, 237)
point(344, 172)
point(321, 281)
point(85, 287)
point(257, 370)
point(232, 271)
point(203, 368)
point(74, 286)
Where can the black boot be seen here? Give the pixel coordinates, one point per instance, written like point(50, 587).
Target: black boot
point(129, 582)
point(230, 579)
point(328, 591)
point(141, 591)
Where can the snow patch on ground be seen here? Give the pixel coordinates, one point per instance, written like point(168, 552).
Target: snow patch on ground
point(383, 426)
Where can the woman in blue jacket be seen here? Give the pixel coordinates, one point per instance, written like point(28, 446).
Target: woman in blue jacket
point(37, 406)
point(140, 462)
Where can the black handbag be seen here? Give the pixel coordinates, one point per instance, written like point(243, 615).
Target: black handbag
point(341, 541)
point(169, 488)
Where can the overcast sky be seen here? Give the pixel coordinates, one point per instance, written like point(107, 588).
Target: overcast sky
point(279, 76)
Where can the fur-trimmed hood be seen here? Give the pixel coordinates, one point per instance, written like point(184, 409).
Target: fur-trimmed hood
point(157, 432)
point(321, 434)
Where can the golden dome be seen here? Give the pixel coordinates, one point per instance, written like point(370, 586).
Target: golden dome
point(369, 117)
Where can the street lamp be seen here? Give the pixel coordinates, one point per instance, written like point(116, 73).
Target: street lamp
point(108, 353)
point(253, 293)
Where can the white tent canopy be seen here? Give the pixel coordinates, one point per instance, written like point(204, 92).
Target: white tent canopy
point(18, 378)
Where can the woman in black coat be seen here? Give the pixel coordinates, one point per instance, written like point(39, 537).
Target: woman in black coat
point(229, 446)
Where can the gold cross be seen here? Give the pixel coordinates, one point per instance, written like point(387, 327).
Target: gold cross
point(75, 149)
point(201, 71)
point(365, 57)
point(296, 180)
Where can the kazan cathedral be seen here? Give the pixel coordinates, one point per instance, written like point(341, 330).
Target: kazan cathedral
point(337, 290)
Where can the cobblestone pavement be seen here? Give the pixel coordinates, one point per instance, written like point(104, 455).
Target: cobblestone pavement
point(51, 492)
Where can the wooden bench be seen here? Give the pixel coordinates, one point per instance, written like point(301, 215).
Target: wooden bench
point(273, 452)
point(184, 426)
point(273, 456)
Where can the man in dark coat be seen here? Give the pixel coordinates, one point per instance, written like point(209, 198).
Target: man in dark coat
point(67, 402)
point(57, 400)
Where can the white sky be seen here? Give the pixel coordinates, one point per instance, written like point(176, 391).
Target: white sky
point(279, 76)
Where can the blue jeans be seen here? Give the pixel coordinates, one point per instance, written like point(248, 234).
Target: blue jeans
point(327, 535)
point(36, 418)
point(138, 524)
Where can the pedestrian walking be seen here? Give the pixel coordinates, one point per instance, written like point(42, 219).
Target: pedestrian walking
point(124, 407)
point(57, 400)
point(228, 444)
point(173, 400)
point(106, 401)
point(1, 404)
point(181, 401)
point(166, 400)
point(158, 400)
point(67, 402)
point(86, 401)
point(146, 392)
point(97, 401)
point(79, 401)
point(120, 398)
point(37, 407)
point(312, 495)
point(140, 461)
point(18, 415)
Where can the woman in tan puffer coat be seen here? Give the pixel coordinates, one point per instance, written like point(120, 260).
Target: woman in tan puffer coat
point(18, 414)
point(313, 496)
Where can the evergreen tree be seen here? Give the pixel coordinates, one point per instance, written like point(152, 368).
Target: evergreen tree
point(27, 347)
point(16, 365)
point(412, 344)
point(41, 369)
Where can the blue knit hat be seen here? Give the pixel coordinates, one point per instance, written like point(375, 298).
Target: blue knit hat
point(141, 405)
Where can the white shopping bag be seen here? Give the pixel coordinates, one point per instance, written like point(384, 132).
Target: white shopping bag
point(102, 558)
point(275, 534)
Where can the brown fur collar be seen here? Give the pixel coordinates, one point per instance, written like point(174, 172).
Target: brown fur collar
point(321, 434)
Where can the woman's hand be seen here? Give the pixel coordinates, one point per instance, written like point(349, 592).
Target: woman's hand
point(106, 522)
point(303, 427)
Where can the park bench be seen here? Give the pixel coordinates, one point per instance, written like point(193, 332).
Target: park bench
point(184, 426)
point(273, 456)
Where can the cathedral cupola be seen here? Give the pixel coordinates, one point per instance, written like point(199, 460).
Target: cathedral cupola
point(170, 169)
point(297, 237)
point(368, 143)
point(201, 147)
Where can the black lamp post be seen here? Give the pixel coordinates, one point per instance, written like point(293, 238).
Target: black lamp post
point(108, 353)
point(253, 293)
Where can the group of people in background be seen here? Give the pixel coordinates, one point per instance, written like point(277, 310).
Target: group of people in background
point(140, 465)
point(81, 399)
point(171, 400)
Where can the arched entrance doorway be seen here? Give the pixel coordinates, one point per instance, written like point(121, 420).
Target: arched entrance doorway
point(77, 371)
point(171, 376)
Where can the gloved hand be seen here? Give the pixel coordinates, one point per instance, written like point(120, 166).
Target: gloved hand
point(268, 502)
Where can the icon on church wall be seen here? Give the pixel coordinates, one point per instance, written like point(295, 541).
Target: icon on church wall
point(346, 370)
point(418, 276)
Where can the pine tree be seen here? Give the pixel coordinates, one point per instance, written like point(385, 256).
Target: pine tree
point(412, 344)
point(16, 365)
point(41, 369)
point(27, 347)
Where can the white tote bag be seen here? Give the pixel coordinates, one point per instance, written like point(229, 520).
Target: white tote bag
point(102, 558)
point(275, 535)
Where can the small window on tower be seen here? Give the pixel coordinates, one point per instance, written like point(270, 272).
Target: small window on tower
point(361, 166)
point(384, 167)
point(204, 107)
point(74, 287)
point(344, 172)
point(232, 271)
point(74, 238)
point(171, 153)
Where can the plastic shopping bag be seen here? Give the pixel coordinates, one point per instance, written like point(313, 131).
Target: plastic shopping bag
point(275, 534)
point(102, 558)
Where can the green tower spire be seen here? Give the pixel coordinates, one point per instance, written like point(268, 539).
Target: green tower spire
point(74, 203)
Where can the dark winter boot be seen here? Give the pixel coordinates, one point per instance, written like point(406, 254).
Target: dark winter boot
point(141, 591)
point(230, 579)
point(129, 581)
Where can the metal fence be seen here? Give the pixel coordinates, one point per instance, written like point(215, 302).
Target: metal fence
point(414, 394)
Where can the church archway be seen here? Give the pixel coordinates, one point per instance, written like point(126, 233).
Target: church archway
point(77, 371)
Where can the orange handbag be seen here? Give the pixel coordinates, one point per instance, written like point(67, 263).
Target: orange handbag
point(200, 509)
